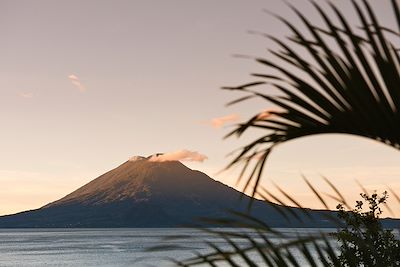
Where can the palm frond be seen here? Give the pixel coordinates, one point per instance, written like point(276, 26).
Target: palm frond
point(348, 82)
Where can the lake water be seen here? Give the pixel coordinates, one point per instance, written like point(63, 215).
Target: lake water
point(104, 247)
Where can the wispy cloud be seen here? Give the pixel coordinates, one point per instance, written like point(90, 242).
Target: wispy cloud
point(25, 94)
point(265, 114)
point(76, 81)
point(136, 158)
point(180, 155)
point(221, 121)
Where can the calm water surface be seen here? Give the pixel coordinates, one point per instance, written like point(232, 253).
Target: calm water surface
point(103, 247)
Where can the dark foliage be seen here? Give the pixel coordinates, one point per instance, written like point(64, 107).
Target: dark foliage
point(364, 242)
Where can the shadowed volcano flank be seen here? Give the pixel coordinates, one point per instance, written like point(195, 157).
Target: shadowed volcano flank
point(138, 180)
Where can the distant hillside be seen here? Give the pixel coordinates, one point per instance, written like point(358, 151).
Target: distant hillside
point(142, 193)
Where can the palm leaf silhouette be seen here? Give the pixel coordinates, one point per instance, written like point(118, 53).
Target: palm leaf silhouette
point(348, 82)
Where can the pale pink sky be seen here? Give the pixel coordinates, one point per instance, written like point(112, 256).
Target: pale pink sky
point(85, 85)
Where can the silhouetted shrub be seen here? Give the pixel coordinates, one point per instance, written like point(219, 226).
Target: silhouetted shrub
point(363, 241)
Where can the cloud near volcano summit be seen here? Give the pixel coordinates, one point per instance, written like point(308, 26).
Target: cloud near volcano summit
point(180, 155)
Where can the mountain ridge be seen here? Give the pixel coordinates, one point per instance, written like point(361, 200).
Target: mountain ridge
point(145, 193)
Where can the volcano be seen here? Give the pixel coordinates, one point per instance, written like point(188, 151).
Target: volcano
point(144, 193)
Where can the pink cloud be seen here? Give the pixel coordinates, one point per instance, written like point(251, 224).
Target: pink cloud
point(75, 81)
point(180, 155)
point(221, 121)
point(25, 95)
point(265, 114)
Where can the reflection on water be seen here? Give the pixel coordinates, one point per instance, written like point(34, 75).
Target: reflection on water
point(105, 247)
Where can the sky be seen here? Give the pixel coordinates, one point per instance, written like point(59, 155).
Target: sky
point(85, 85)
